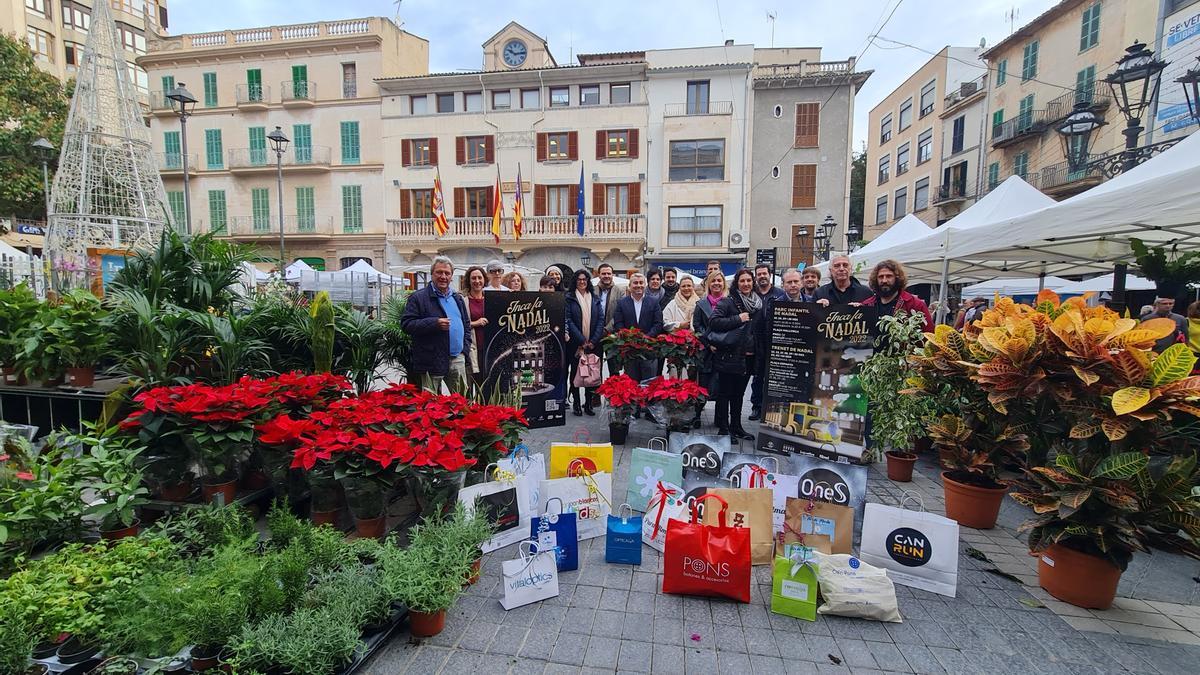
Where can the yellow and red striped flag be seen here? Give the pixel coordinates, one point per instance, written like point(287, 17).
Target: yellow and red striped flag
point(497, 207)
point(439, 206)
point(518, 207)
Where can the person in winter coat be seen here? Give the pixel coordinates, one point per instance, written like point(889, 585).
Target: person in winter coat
point(714, 290)
point(842, 288)
point(733, 330)
point(585, 324)
point(889, 281)
point(437, 319)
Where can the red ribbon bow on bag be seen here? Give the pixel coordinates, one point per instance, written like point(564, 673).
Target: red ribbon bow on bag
point(662, 493)
point(758, 476)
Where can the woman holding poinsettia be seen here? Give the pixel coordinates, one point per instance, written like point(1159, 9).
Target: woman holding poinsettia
point(731, 331)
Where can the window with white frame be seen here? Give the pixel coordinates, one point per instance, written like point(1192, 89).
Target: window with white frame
point(501, 100)
point(694, 226)
point(589, 94)
point(531, 98)
point(619, 93)
point(558, 200)
point(616, 199)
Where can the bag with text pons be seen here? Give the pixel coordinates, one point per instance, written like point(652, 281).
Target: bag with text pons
point(704, 560)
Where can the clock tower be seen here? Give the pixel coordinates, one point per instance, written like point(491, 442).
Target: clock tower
point(516, 48)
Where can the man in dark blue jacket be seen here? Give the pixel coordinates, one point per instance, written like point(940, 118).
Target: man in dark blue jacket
point(436, 317)
point(638, 310)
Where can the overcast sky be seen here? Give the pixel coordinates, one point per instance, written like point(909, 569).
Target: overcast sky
point(456, 28)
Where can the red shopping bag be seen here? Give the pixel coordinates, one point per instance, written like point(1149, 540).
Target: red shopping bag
point(700, 559)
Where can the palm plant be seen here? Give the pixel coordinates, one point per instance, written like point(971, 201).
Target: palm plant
point(234, 349)
point(195, 273)
point(361, 344)
point(154, 344)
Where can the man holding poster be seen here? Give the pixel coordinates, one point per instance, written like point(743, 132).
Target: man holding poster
point(524, 351)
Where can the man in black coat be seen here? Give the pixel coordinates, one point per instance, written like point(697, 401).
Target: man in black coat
point(769, 292)
point(637, 310)
point(844, 288)
point(436, 317)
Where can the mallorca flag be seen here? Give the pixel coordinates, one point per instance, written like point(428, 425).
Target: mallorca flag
point(518, 207)
point(439, 207)
point(497, 208)
point(579, 203)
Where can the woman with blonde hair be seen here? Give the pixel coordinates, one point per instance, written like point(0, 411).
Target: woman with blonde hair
point(514, 281)
point(714, 290)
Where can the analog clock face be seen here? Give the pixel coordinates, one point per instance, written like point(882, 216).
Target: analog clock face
point(515, 53)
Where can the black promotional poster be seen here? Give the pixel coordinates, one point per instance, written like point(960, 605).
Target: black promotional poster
point(813, 401)
point(523, 351)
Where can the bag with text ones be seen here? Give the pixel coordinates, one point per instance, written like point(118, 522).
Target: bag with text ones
point(530, 578)
point(557, 532)
point(794, 585)
point(666, 504)
point(762, 471)
point(505, 501)
point(647, 468)
point(851, 587)
point(750, 509)
point(587, 372)
point(623, 541)
point(917, 548)
point(701, 559)
point(828, 528)
point(587, 495)
point(595, 457)
point(700, 453)
point(533, 467)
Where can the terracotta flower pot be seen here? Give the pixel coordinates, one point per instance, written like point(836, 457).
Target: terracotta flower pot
point(177, 492)
point(473, 576)
point(370, 528)
point(323, 517)
point(226, 492)
point(1078, 578)
point(970, 505)
point(81, 377)
point(121, 532)
point(426, 624)
point(900, 465)
point(617, 433)
point(204, 659)
point(256, 479)
point(8, 375)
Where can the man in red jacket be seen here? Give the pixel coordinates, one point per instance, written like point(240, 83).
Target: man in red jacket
point(888, 280)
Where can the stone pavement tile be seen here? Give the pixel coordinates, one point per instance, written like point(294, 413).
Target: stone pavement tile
point(1151, 619)
point(1089, 624)
point(526, 666)
point(1134, 605)
point(905, 632)
point(830, 669)
point(564, 597)
point(638, 627)
point(570, 648)
point(697, 634)
point(635, 656)
point(551, 615)
point(641, 602)
point(427, 659)
point(602, 652)
point(578, 620)
point(1120, 654)
point(821, 648)
point(887, 655)
point(818, 628)
point(1175, 609)
point(539, 643)
point(450, 635)
point(700, 661)
point(875, 631)
point(559, 669)
point(1188, 622)
point(729, 638)
point(792, 646)
point(697, 609)
point(393, 657)
point(725, 613)
point(608, 623)
point(955, 661)
point(586, 596)
point(617, 576)
point(614, 599)
point(842, 627)
point(596, 671)
point(766, 664)
point(933, 635)
point(508, 640)
point(668, 631)
point(668, 605)
point(645, 581)
point(478, 635)
point(734, 663)
point(761, 641)
point(521, 616)
point(801, 667)
point(667, 659)
point(465, 662)
point(855, 653)
point(1153, 633)
point(753, 616)
point(920, 659)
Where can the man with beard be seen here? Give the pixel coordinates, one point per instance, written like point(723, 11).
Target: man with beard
point(670, 286)
point(842, 289)
point(888, 280)
point(810, 280)
point(769, 293)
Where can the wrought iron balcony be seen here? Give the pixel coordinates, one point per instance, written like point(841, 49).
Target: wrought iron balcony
point(298, 93)
point(253, 96)
point(267, 225)
point(1097, 94)
point(698, 108)
point(171, 163)
point(1019, 128)
point(1062, 179)
point(954, 192)
point(540, 229)
point(295, 160)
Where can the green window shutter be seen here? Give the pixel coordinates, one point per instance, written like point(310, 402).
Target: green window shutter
point(218, 217)
point(302, 143)
point(210, 90)
point(1001, 72)
point(993, 175)
point(1021, 164)
point(350, 154)
point(997, 121)
point(300, 81)
point(306, 218)
point(1089, 31)
point(254, 88)
point(214, 150)
point(1026, 113)
point(168, 83)
point(352, 219)
point(261, 206)
point(1085, 83)
point(175, 200)
point(258, 146)
point(1029, 61)
point(172, 157)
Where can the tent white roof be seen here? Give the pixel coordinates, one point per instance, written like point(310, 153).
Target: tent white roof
point(292, 272)
point(363, 267)
point(11, 252)
point(907, 229)
point(1010, 286)
point(249, 271)
point(1104, 283)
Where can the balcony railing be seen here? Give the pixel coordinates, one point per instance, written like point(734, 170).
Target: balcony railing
point(965, 90)
point(534, 228)
point(305, 157)
point(1097, 95)
point(1019, 127)
point(173, 161)
point(300, 31)
point(1062, 178)
point(298, 90)
point(260, 226)
point(805, 69)
point(952, 193)
point(159, 103)
point(253, 94)
point(698, 108)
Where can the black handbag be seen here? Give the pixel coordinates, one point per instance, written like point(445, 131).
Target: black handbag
point(728, 338)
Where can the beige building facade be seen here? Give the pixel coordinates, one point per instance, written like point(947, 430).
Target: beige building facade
point(904, 141)
point(316, 82)
point(964, 136)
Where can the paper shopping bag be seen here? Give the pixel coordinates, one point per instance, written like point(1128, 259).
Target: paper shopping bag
point(700, 454)
point(648, 467)
point(533, 466)
point(595, 457)
point(588, 496)
point(853, 588)
point(705, 560)
point(794, 585)
point(558, 532)
point(762, 471)
point(529, 578)
point(505, 502)
point(825, 527)
point(623, 541)
point(666, 504)
point(750, 509)
point(917, 548)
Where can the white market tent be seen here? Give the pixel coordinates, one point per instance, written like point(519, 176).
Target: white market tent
point(12, 253)
point(372, 275)
point(1010, 286)
point(1104, 283)
point(293, 271)
point(907, 229)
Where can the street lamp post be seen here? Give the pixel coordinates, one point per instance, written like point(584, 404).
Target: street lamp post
point(1076, 133)
point(586, 259)
point(44, 150)
point(183, 103)
point(279, 144)
point(1134, 85)
point(827, 229)
point(1191, 90)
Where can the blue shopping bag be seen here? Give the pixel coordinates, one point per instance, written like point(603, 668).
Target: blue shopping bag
point(623, 541)
point(557, 531)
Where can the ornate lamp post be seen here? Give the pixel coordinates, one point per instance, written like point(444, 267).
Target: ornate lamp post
point(1134, 85)
point(183, 103)
point(586, 259)
point(1076, 133)
point(279, 144)
point(1191, 90)
point(825, 231)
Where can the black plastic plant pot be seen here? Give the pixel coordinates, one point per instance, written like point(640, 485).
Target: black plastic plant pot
point(45, 650)
point(37, 669)
point(75, 651)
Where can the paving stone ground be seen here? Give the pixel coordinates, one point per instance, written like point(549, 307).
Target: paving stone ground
point(615, 617)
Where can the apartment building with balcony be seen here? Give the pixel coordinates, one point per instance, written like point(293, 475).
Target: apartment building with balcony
point(904, 141)
point(964, 134)
point(803, 122)
point(315, 81)
point(1178, 44)
point(522, 112)
point(1038, 75)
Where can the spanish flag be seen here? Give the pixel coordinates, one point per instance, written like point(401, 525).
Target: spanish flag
point(497, 208)
point(518, 207)
point(439, 207)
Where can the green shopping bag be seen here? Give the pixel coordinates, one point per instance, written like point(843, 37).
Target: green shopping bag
point(794, 586)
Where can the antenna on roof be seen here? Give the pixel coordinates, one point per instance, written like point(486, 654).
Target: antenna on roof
point(1011, 17)
point(397, 21)
point(771, 17)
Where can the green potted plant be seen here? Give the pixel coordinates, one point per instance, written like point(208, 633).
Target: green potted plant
point(39, 355)
point(897, 420)
point(1170, 271)
point(16, 644)
point(18, 306)
point(117, 665)
point(427, 579)
point(459, 533)
point(41, 502)
point(109, 465)
point(81, 334)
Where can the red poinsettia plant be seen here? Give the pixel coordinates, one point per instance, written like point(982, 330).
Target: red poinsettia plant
point(679, 348)
point(678, 397)
point(623, 394)
point(628, 345)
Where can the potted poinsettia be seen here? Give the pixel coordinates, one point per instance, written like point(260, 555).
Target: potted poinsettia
point(624, 396)
point(896, 421)
point(628, 345)
point(678, 399)
point(680, 350)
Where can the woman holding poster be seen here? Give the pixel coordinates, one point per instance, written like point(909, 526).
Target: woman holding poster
point(732, 330)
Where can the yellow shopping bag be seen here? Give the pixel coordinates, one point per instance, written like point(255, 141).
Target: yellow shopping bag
point(594, 457)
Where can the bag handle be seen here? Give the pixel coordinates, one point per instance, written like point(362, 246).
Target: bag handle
point(662, 443)
point(720, 516)
point(581, 431)
point(621, 513)
point(528, 549)
point(560, 505)
point(914, 497)
point(519, 450)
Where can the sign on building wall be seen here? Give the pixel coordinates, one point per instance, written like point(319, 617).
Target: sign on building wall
point(523, 349)
point(1180, 47)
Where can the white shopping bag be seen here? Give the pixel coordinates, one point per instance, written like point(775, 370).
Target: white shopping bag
point(669, 502)
point(530, 578)
point(764, 473)
point(522, 463)
point(589, 495)
point(506, 503)
point(917, 548)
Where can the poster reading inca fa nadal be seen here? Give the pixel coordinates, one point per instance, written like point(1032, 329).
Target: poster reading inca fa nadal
point(523, 351)
point(813, 401)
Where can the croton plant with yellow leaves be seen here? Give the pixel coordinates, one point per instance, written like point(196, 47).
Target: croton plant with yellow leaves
point(1105, 429)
